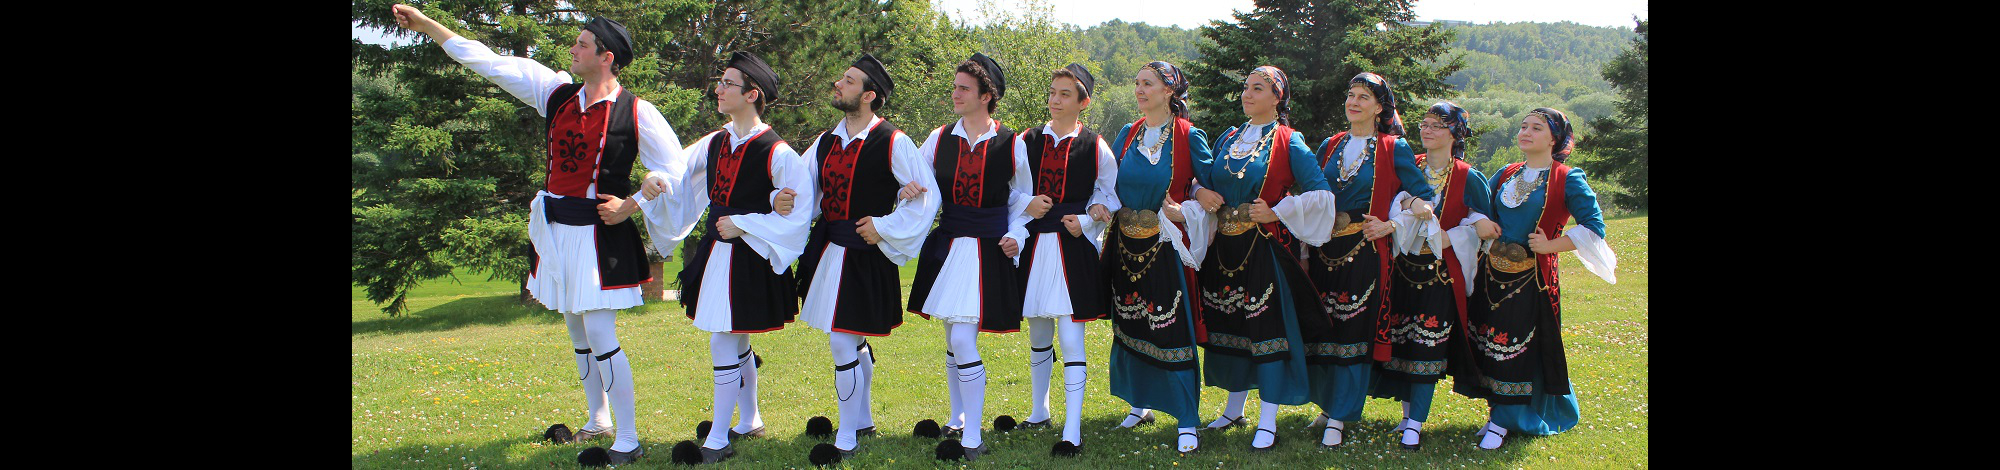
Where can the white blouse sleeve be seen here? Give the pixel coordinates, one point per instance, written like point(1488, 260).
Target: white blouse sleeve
point(528, 80)
point(1595, 254)
point(1019, 194)
point(781, 238)
point(660, 151)
point(1465, 243)
point(904, 230)
point(1200, 232)
point(1309, 216)
point(687, 199)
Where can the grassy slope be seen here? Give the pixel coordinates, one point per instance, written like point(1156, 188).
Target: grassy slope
point(471, 378)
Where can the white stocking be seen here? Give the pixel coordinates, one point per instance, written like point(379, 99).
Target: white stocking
point(971, 379)
point(597, 415)
point(601, 328)
point(728, 375)
point(1041, 360)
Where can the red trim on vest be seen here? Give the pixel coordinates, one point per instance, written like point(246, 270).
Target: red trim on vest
point(1382, 194)
point(1454, 212)
point(1183, 172)
point(1555, 212)
point(1052, 180)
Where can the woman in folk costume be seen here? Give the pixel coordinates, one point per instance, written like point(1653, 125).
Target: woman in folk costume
point(847, 277)
point(1150, 262)
point(737, 279)
point(1073, 173)
point(588, 262)
point(1367, 167)
point(1435, 262)
point(966, 276)
point(1261, 311)
point(1515, 312)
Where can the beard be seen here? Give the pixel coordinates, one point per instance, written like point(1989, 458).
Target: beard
point(851, 105)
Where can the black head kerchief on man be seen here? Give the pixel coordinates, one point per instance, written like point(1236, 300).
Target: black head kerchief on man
point(993, 71)
point(1082, 77)
point(755, 70)
point(878, 77)
point(615, 39)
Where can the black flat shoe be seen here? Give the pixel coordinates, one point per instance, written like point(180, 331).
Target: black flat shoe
point(1233, 422)
point(867, 431)
point(717, 455)
point(759, 432)
point(973, 453)
point(1343, 437)
point(1147, 418)
point(1034, 424)
point(954, 433)
point(1066, 449)
point(619, 458)
point(1274, 441)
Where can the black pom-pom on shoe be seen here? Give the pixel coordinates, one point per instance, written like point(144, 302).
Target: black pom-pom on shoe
point(558, 433)
point(686, 452)
point(1065, 449)
point(819, 427)
point(701, 430)
point(928, 428)
point(1003, 423)
point(594, 457)
point(950, 449)
point(824, 454)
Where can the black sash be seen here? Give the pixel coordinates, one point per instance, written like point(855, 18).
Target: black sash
point(571, 210)
point(1052, 221)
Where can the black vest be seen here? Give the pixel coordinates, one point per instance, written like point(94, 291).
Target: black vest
point(864, 185)
point(992, 182)
point(1078, 176)
point(621, 258)
point(748, 185)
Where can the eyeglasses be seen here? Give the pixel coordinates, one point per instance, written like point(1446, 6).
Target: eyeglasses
point(726, 82)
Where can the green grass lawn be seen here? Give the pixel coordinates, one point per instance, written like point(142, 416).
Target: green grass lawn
point(470, 378)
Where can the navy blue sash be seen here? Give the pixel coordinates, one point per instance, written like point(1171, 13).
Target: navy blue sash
point(717, 212)
point(571, 210)
point(841, 232)
point(965, 221)
point(1052, 221)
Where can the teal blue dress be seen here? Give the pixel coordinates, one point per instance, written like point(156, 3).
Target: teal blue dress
point(1153, 362)
point(1259, 307)
point(1522, 372)
point(1346, 272)
point(1428, 332)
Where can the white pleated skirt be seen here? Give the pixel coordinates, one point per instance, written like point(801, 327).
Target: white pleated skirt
point(954, 298)
point(713, 314)
point(820, 300)
point(566, 280)
point(1047, 293)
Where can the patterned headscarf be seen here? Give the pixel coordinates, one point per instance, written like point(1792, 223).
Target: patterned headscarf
point(1455, 118)
point(1277, 78)
point(1389, 122)
point(1171, 75)
point(1558, 130)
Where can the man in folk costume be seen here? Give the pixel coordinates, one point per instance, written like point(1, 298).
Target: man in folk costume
point(966, 277)
point(1073, 176)
point(848, 277)
point(737, 278)
point(588, 263)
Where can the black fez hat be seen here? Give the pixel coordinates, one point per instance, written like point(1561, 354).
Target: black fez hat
point(757, 71)
point(614, 37)
point(993, 71)
point(877, 74)
point(1082, 77)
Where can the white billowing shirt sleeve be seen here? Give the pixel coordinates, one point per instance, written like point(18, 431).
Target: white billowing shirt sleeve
point(1595, 254)
point(528, 80)
point(1200, 232)
point(812, 174)
point(660, 151)
point(688, 199)
point(1412, 233)
point(1466, 239)
point(781, 238)
point(1309, 216)
point(904, 230)
point(1019, 193)
point(1102, 192)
